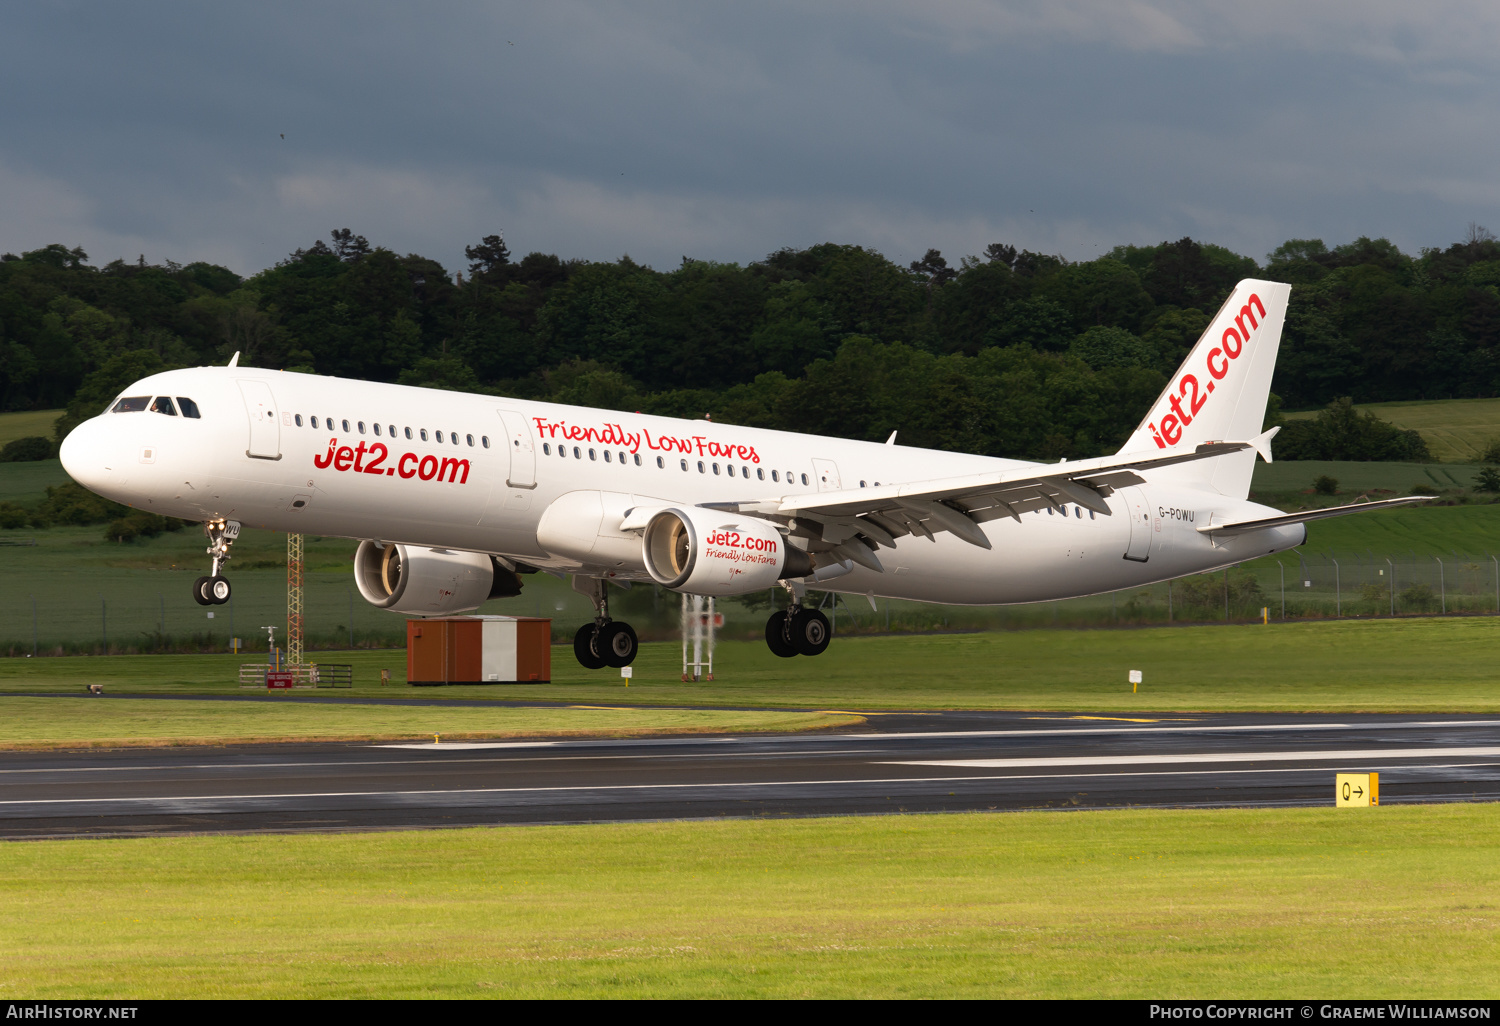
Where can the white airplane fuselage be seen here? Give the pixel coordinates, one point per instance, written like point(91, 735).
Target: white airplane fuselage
point(255, 456)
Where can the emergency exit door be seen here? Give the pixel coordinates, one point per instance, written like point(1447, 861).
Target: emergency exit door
point(265, 425)
point(1141, 527)
point(522, 449)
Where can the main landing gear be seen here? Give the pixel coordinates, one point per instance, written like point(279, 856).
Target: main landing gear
point(604, 642)
point(799, 630)
point(214, 590)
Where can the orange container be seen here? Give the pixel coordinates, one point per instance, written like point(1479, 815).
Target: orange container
point(478, 650)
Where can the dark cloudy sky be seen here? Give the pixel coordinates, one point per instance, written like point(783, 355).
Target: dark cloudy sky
point(724, 131)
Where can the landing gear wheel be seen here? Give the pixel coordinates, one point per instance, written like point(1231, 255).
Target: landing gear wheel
point(200, 591)
point(617, 643)
point(583, 647)
point(810, 632)
point(217, 590)
point(776, 636)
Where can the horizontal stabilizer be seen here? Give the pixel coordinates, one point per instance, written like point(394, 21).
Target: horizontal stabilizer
point(1303, 516)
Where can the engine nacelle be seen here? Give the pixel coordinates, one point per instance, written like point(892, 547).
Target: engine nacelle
point(429, 582)
point(706, 552)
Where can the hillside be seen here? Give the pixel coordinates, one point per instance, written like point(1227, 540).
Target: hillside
point(1455, 430)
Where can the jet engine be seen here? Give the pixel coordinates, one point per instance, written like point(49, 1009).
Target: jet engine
point(706, 552)
point(429, 582)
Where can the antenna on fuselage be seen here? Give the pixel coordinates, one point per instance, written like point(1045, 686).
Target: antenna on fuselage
point(234, 361)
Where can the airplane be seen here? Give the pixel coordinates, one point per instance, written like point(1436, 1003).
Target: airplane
point(454, 498)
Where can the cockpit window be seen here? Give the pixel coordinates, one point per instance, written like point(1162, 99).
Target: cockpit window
point(188, 407)
point(163, 404)
point(134, 404)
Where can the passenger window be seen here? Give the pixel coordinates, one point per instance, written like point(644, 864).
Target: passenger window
point(470, 440)
point(744, 472)
point(622, 457)
point(135, 404)
point(775, 476)
point(607, 457)
point(804, 479)
point(577, 453)
point(716, 470)
point(546, 448)
point(346, 426)
point(314, 421)
point(377, 429)
point(408, 433)
point(298, 419)
point(438, 435)
point(592, 455)
point(661, 464)
point(486, 440)
point(424, 434)
point(861, 484)
point(164, 405)
point(700, 466)
point(684, 466)
point(361, 426)
point(760, 473)
point(188, 407)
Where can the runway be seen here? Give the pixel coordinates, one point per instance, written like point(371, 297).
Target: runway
point(927, 762)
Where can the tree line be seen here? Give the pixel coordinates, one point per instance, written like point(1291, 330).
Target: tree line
point(1009, 353)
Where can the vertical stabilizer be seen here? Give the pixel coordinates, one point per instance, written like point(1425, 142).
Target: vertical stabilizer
point(1219, 393)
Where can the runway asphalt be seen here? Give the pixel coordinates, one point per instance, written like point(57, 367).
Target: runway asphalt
point(917, 762)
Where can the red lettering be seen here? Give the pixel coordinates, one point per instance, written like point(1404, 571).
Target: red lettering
point(450, 466)
point(1223, 369)
point(359, 454)
point(401, 467)
point(1247, 314)
point(427, 468)
point(374, 468)
point(343, 458)
point(1232, 352)
point(327, 458)
point(1197, 400)
point(1171, 430)
point(1159, 443)
point(1177, 409)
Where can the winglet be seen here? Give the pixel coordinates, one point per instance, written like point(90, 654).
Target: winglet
point(1262, 443)
point(892, 440)
point(234, 361)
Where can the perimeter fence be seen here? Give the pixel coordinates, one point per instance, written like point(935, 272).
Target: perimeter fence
point(134, 610)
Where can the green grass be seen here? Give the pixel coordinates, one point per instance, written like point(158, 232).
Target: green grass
point(1424, 530)
point(1374, 904)
point(27, 483)
point(1355, 477)
point(102, 723)
point(1455, 430)
point(1415, 665)
point(28, 424)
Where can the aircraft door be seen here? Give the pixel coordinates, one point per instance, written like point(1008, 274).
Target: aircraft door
point(827, 473)
point(265, 428)
point(522, 449)
point(1139, 549)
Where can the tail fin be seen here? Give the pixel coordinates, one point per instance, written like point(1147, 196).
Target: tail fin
point(1219, 393)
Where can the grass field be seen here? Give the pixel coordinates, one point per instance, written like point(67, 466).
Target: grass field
point(103, 723)
point(28, 424)
point(1438, 664)
point(1455, 430)
point(1384, 903)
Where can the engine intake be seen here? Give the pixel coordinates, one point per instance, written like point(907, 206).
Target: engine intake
point(429, 582)
point(706, 552)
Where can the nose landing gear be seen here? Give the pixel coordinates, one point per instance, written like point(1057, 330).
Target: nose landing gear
point(214, 589)
point(604, 642)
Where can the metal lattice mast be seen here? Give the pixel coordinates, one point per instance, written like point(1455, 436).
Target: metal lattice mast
point(294, 600)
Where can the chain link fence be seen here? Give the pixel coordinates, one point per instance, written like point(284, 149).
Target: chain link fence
point(125, 610)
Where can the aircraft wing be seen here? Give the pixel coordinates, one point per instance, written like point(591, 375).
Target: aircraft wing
point(857, 520)
point(1302, 516)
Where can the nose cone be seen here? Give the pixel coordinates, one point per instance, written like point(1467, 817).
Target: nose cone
point(89, 455)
